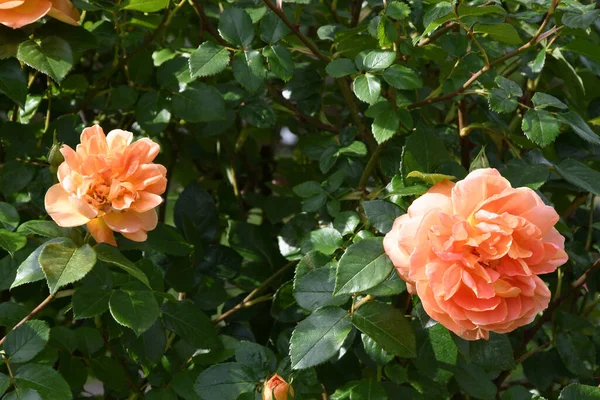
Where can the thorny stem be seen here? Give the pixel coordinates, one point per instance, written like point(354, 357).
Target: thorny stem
point(364, 178)
point(532, 42)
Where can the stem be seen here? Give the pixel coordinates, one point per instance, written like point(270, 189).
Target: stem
point(30, 315)
point(364, 178)
point(362, 301)
point(440, 32)
point(588, 242)
point(247, 302)
point(296, 31)
point(49, 96)
point(574, 205)
point(532, 42)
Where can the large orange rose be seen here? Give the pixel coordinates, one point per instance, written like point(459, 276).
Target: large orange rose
point(109, 184)
point(473, 251)
point(18, 13)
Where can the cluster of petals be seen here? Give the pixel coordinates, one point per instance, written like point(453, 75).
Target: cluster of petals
point(276, 388)
point(472, 251)
point(18, 13)
point(109, 184)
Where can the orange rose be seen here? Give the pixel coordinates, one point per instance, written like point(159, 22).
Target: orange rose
point(18, 13)
point(277, 388)
point(109, 184)
point(473, 251)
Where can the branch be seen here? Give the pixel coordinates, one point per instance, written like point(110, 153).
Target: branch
point(297, 32)
point(247, 302)
point(303, 117)
point(437, 34)
point(532, 42)
point(39, 308)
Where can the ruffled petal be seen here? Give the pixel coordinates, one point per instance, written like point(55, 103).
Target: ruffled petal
point(67, 210)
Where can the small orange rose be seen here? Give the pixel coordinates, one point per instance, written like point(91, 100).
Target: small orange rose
point(473, 251)
point(277, 388)
point(109, 184)
point(18, 13)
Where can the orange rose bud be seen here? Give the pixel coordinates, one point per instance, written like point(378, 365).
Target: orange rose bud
point(109, 184)
point(277, 388)
point(472, 252)
point(18, 13)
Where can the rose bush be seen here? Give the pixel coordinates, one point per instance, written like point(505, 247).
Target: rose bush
point(338, 199)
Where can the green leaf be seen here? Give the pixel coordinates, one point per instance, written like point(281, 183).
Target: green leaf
point(533, 176)
point(319, 337)
point(577, 352)
point(373, 350)
point(52, 56)
point(364, 265)
point(315, 289)
point(480, 161)
point(22, 394)
point(65, 263)
point(208, 59)
point(11, 241)
point(424, 152)
point(378, 60)
point(199, 103)
point(397, 10)
point(580, 175)
point(577, 391)
point(235, 26)
point(252, 243)
point(89, 340)
point(580, 20)
point(256, 357)
point(381, 214)
point(195, 208)
point(43, 379)
point(325, 240)
point(439, 10)
point(543, 100)
point(402, 78)
point(134, 309)
point(540, 126)
point(272, 28)
point(495, 354)
point(367, 88)
point(504, 33)
point(111, 372)
point(249, 70)
point(474, 381)
point(9, 217)
point(153, 112)
point(187, 321)
point(537, 64)
point(583, 47)
point(385, 125)
point(112, 255)
point(63, 338)
point(346, 222)
point(340, 68)
point(89, 302)
point(30, 269)
point(308, 189)
point(388, 327)
point(225, 382)
point(5, 383)
point(467, 11)
point(43, 228)
point(145, 5)
point(579, 126)
point(12, 81)
point(280, 61)
point(504, 99)
point(25, 342)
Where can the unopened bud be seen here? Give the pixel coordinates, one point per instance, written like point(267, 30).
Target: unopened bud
point(55, 157)
point(277, 388)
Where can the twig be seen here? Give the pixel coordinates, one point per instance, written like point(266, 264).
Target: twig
point(465, 151)
point(206, 23)
point(440, 32)
point(364, 178)
point(355, 7)
point(297, 32)
point(244, 303)
point(30, 315)
point(574, 205)
point(532, 42)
